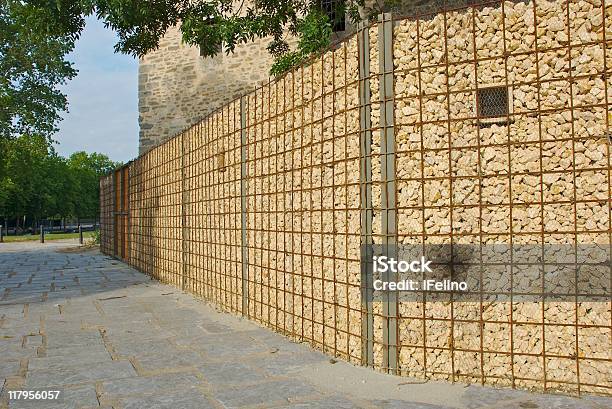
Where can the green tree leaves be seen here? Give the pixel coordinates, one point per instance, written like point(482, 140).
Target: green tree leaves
point(33, 45)
point(36, 35)
point(38, 183)
point(208, 24)
point(315, 31)
point(27, 161)
point(86, 170)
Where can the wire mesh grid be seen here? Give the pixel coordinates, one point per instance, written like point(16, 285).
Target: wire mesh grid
point(213, 239)
point(497, 134)
point(537, 174)
point(106, 214)
point(155, 212)
point(302, 160)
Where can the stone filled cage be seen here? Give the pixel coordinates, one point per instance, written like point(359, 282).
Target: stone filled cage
point(481, 125)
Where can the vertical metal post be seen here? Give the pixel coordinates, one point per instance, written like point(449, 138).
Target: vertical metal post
point(42, 233)
point(112, 240)
point(184, 197)
point(388, 199)
point(365, 185)
point(80, 234)
point(126, 213)
point(243, 206)
point(1, 233)
point(116, 212)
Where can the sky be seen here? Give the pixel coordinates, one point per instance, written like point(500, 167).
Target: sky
point(102, 98)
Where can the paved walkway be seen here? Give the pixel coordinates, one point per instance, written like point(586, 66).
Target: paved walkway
point(106, 335)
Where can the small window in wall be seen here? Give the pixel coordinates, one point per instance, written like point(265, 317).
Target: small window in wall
point(336, 12)
point(493, 104)
point(219, 50)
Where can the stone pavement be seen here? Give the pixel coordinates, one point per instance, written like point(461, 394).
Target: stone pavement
point(106, 335)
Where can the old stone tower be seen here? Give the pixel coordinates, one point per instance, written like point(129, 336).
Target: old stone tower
point(177, 86)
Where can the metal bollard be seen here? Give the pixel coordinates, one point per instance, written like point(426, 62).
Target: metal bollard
point(1, 233)
point(80, 235)
point(42, 234)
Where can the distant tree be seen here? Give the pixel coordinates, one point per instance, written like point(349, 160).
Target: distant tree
point(59, 198)
point(5, 183)
point(86, 170)
point(32, 61)
point(36, 183)
point(23, 179)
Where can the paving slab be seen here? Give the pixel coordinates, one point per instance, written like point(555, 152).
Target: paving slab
point(74, 375)
point(150, 385)
point(60, 362)
point(326, 402)
point(191, 399)
point(284, 363)
point(108, 336)
point(264, 393)
point(155, 362)
point(222, 375)
point(8, 368)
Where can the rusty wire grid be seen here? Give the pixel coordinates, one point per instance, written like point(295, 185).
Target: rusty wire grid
point(140, 237)
point(212, 152)
point(485, 124)
point(106, 214)
point(155, 212)
point(119, 212)
point(303, 204)
point(501, 139)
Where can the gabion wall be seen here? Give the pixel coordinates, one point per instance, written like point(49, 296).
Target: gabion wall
point(477, 126)
point(156, 221)
point(106, 214)
point(539, 174)
point(213, 266)
point(302, 162)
